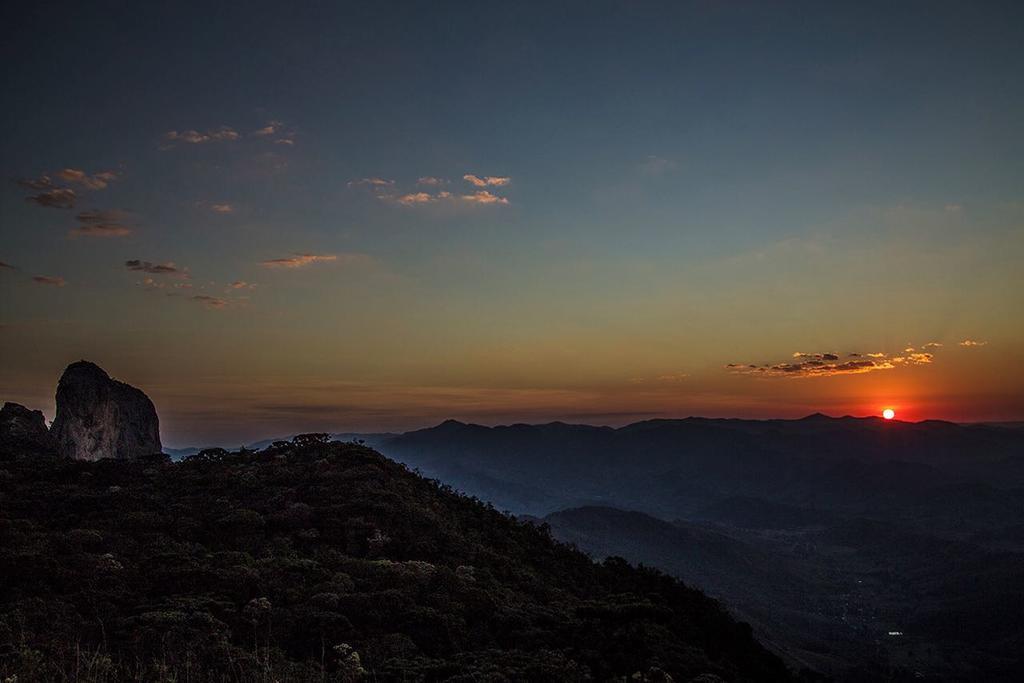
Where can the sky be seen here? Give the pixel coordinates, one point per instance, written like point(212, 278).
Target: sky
point(376, 216)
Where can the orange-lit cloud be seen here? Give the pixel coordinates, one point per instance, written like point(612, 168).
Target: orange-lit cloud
point(972, 343)
point(222, 208)
point(416, 198)
point(484, 197)
point(495, 181)
point(830, 364)
point(97, 181)
point(431, 181)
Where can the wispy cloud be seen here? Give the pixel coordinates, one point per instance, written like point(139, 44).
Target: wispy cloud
point(241, 284)
point(102, 223)
point(194, 137)
point(276, 129)
point(175, 287)
point(830, 364)
point(972, 343)
point(371, 182)
point(168, 268)
point(210, 301)
point(100, 230)
point(103, 216)
point(655, 166)
point(57, 198)
point(271, 128)
point(7, 266)
point(487, 181)
point(386, 190)
point(672, 378)
point(300, 260)
point(222, 208)
point(52, 281)
point(96, 181)
point(43, 182)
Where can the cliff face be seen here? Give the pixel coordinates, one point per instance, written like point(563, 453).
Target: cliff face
point(98, 417)
point(24, 431)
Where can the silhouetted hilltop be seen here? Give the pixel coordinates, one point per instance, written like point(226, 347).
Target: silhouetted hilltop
point(322, 561)
point(99, 417)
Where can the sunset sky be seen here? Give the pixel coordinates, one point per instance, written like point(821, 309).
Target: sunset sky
point(376, 216)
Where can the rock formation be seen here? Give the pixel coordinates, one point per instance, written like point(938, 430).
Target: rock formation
point(98, 417)
point(23, 431)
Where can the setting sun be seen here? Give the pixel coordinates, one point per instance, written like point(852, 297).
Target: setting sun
point(888, 413)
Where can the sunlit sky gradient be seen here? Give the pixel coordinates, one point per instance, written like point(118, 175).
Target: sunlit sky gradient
point(655, 191)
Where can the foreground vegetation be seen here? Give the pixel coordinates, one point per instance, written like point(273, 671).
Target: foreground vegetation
point(322, 561)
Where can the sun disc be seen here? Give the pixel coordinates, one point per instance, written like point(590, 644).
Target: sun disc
point(888, 413)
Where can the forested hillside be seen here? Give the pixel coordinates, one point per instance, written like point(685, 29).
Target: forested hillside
point(322, 561)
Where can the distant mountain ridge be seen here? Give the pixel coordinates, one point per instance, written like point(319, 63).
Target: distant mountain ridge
point(655, 465)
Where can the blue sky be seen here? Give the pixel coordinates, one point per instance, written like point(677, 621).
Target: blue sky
point(677, 187)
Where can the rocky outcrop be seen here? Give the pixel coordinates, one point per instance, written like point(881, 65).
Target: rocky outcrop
point(98, 417)
point(23, 431)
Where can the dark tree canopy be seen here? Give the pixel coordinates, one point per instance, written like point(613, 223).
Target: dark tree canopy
point(322, 561)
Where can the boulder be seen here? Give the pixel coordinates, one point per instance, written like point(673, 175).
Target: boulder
point(99, 417)
point(23, 431)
